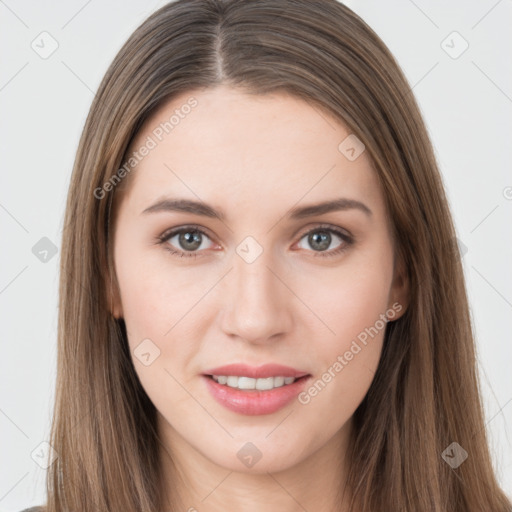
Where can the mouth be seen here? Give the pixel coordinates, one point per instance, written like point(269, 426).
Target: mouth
point(255, 390)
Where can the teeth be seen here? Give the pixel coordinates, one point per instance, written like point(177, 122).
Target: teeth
point(232, 382)
point(246, 383)
point(279, 381)
point(264, 384)
point(250, 383)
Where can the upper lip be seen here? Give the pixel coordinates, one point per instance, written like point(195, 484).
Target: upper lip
point(256, 372)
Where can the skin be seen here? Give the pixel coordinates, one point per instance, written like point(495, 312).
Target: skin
point(254, 158)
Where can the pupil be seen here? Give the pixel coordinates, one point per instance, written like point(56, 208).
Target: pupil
point(320, 242)
point(190, 240)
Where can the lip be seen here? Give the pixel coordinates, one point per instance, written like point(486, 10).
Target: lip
point(255, 402)
point(256, 372)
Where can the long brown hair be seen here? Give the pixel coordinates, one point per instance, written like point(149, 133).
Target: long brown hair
point(425, 393)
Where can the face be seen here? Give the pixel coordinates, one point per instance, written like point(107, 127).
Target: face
point(253, 276)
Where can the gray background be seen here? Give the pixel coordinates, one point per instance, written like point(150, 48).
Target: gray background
point(466, 102)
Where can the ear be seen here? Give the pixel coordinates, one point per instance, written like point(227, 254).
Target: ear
point(114, 298)
point(399, 295)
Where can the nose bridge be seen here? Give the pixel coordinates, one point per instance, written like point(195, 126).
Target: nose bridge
point(256, 306)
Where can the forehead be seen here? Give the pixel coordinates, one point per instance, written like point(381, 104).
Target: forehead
point(225, 145)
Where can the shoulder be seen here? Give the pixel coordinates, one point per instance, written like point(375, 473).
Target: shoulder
point(33, 509)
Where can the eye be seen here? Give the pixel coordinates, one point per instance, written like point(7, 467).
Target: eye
point(189, 240)
point(320, 239)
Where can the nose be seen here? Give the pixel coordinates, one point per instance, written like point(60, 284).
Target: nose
point(257, 305)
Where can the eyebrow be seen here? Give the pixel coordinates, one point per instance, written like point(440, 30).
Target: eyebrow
point(200, 208)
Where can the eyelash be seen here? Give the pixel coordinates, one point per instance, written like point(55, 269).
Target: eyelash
point(347, 239)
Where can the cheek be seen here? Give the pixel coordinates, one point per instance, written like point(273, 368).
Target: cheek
point(155, 295)
point(155, 314)
point(352, 302)
point(348, 361)
point(353, 306)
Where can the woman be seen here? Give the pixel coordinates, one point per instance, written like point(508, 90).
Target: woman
point(261, 302)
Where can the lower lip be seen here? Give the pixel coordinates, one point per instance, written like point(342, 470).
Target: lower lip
point(254, 402)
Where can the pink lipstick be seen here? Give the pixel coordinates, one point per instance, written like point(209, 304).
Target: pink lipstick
point(253, 390)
